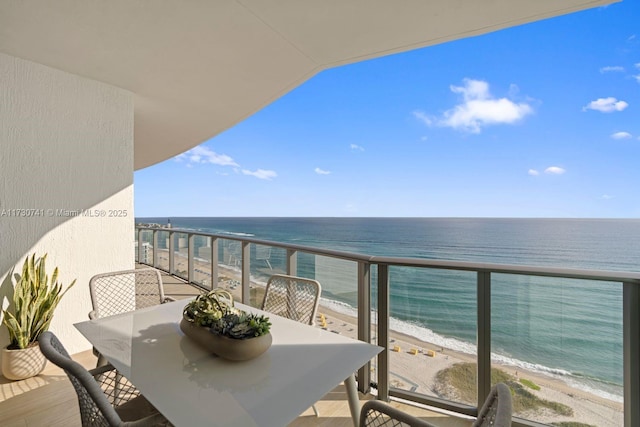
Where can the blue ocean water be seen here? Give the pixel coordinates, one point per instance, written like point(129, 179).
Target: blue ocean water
point(562, 327)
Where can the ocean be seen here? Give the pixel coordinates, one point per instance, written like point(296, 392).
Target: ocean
point(566, 328)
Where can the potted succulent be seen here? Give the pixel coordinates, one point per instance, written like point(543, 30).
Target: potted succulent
point(214, 323)
point(35, 299)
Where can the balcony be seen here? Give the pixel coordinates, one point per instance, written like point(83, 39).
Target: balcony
point(408, 370)
point(363, 300)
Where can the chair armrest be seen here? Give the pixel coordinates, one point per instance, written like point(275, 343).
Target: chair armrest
point(93, 315)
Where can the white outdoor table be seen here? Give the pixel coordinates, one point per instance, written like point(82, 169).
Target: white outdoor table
point(191, 387)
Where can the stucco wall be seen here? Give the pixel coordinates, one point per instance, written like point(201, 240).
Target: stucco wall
point(66, 145)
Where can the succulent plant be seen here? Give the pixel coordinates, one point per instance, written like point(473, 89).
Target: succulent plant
point(207, 308)
point(241, 326)
point(215, 310)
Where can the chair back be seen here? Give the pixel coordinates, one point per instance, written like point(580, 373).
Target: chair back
point(95, 408)
point(497, 407)
point(292, 297)
point(122, 291)
point(375, 413)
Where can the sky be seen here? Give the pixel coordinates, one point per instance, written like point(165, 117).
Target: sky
point(540, 120)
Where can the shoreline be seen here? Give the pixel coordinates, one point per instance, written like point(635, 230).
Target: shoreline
point(588, 408)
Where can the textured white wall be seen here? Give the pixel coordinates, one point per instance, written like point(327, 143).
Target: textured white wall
point(66, 143)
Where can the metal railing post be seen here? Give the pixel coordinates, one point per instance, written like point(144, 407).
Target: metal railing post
point(631, 352)
point(292, 262)
point(484, 336)
point(364, 321)
point(383, 331)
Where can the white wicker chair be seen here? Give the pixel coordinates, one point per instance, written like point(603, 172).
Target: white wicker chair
point(122, 291)
point(292, 297)
point(295, 298)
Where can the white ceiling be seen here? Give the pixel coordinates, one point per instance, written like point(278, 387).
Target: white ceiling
point(198, 67)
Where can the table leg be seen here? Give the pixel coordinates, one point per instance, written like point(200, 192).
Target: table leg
point(353, 398)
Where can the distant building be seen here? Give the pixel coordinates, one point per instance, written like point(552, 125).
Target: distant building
point(146, 252)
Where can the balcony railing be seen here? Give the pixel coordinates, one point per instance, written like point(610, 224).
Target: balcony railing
point(204, 259)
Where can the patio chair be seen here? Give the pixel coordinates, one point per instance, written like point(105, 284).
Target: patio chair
point(292, 297)
point(295, 298)
point(103, 400)
point(122, 291)
point(495, 412)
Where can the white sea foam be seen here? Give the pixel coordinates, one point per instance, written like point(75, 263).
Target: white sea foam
point(232, 233)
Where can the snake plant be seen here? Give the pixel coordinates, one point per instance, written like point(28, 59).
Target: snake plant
point(35, 298)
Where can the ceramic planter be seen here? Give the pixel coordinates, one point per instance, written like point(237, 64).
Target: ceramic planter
point(22, 363)
point(225, 347)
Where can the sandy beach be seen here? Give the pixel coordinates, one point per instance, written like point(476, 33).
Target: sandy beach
point(417, 372)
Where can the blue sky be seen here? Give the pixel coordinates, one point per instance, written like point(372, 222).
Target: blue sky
point(541, 120)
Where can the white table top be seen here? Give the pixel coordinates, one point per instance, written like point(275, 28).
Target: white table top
point(194, 388)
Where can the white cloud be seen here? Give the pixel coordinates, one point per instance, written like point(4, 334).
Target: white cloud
point(554, 170)
point(611, 68)
point(423, 117)
point(321, 172)
point(356, 147)
point(533, 172)
point(202, 154)
point(606, 105)
point(621, 135)
point(606, 197)
point(478, 109)
point(261, 174)
point(637, 65)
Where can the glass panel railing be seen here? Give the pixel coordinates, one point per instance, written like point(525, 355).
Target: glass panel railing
point(265, 262)
point(230, 264)
point(163, 250)
point(202, 261)
point(339, 298)
point(433, 332)
point(147, 247)
point(558, 338)
point(180, 255)
point(338, 309)
point(557, 343)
